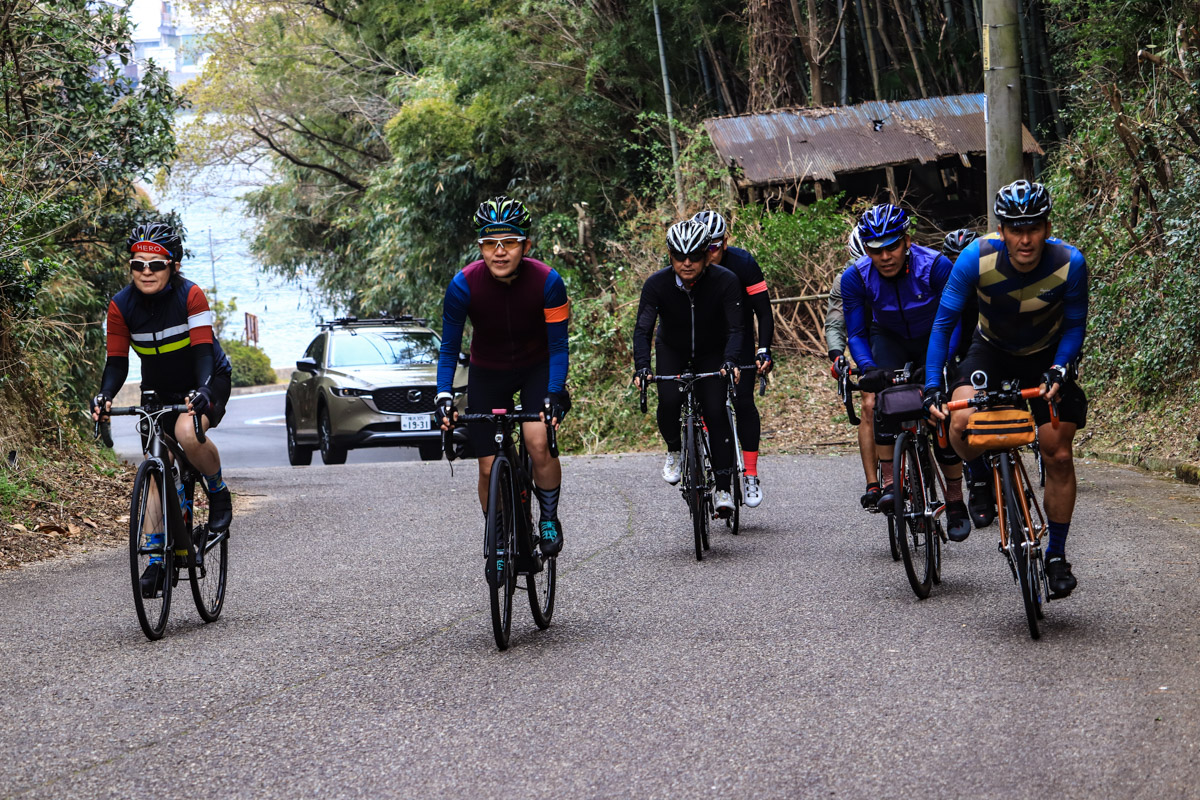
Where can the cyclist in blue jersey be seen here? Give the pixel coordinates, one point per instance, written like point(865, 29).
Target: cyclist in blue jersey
point(518, 310)
point(894, 289)
point(166, 320)
point(1033, 298)
point(756, 305)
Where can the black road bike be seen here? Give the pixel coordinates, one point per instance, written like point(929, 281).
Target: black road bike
point(733, 521)
point(165, 500)
point(510, 539)
point(919, 528)
point(1022, 523)
point(697, 480)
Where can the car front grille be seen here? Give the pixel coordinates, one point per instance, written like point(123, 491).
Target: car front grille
point(405, 399)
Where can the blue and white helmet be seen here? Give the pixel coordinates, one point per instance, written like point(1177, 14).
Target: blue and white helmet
point(855, 245)
point(882, 225)
point(1022, 203)
point(714, 223)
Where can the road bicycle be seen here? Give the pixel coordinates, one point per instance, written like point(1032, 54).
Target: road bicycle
point(697, 480)
point(1004, 427)
point(733, 521)
point(918, 509)
point(164, 501)
point(510, 539)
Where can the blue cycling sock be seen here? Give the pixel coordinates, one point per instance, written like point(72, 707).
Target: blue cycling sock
point(977, 470)
point(155, 540)
point(215, 482)
point(548, 500)
point(1058, 538)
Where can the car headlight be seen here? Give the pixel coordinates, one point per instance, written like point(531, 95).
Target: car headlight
point(346, 391)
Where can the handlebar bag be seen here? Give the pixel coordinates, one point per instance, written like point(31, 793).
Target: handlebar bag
point(1000, 429)
point(900, 403)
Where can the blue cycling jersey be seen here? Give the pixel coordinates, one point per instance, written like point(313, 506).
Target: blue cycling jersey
point(903, 306)
point(1022, 313)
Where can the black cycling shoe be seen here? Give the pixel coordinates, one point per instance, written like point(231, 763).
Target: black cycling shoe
point(551, 537)
point(870, 497)
point(152, 579)
point(886, 500)
point(1058, 575)
point(220, 510)
point(958, 526)
point(981, 503)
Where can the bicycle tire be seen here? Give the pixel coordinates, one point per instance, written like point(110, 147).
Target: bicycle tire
point(695, 487)
point(913, 529)
point(152, 612)
point(709, 500)
point(893, 539)
point(501, 561)
point(541, 587)
point(1015, 521)
point(207, 577)
point(735, 519)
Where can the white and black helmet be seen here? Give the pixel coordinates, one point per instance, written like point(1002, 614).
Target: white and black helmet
point(714, 223)
point(687, 238)
point(855, 244)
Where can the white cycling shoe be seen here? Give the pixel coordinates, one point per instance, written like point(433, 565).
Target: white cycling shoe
point(722, 503)
point(671, 469)
point(751, 491)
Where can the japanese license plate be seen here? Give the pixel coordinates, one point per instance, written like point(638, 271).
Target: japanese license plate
point(415, 422)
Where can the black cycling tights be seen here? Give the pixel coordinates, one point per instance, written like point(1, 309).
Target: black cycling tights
point(711, 393)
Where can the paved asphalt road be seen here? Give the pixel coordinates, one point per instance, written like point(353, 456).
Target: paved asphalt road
point(355, 657)
point(252, 435)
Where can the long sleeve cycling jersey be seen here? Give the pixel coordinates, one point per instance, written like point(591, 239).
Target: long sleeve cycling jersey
point(516, 324)
point(707, 318)
point(835, 318)
point(904, 306)
point(171, 332)
point(1021, 313)
point(756, 304)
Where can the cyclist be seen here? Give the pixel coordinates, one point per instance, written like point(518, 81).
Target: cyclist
point(519, 311)
point(980, 504)
point(756, 304)
point(835, 340)
point(895, 288)
point(1033, 293)
point(698, 307)
point(166, 319)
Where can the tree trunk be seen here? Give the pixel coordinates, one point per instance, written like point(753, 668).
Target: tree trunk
point(1049, 85)
point(816, 91)
point(912, 48)
point(771, 59)
point(869, 45)
point(722, 84)
point(842, 55)
point(881, 29)
point(1029, 70)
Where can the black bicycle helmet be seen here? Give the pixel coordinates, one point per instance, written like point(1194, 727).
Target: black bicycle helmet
point(882, 225)
point(957, 241)
point(158, 237)
point(1022, 203)
point(714, 223)
point(687, 237)
point(502, 215)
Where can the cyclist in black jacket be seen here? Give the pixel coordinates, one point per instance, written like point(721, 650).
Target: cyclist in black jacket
point(699, 311)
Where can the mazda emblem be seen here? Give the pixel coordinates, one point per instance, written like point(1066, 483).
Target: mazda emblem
point(414, 395)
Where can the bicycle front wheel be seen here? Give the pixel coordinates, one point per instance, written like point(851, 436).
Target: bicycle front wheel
point(541, 592)
point(210, 558)
point(913, 529)
point(501, 537)
point(1026, 566)
point(697, 503)
point(149, 555)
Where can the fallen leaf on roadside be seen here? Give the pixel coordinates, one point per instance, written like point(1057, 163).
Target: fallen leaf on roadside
point(16, 526)
point(123, 518)
point(72, 528)
point(47, 527)
point(89, 523)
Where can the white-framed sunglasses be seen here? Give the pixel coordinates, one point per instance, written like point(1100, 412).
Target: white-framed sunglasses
point(508, 243)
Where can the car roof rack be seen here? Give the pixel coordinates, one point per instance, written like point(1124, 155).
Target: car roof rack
point(355, 322)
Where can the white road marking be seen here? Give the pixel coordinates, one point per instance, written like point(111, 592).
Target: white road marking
point(273, 420)
point(260, 394)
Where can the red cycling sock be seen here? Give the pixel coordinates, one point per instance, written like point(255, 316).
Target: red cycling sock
point(954, 492)
point(751, 462)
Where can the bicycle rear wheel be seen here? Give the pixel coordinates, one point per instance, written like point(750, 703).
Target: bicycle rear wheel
point(501, 537)
point(913, 529)
point(148, 528)
point(210, 559)
point(1018, 541)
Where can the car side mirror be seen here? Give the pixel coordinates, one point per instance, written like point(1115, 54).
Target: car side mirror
point(307, 364)
point(464, 359)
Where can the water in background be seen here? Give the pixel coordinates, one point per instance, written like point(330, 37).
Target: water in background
point(210, 207)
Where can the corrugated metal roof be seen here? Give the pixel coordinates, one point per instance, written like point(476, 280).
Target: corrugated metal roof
point(802, 144)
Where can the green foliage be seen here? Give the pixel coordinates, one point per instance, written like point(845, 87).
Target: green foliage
point(251, 366)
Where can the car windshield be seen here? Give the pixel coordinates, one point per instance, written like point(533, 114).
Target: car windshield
point(383, 348)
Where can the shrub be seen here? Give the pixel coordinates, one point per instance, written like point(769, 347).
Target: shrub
point(251, 367)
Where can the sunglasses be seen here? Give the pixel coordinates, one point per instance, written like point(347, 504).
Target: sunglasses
point(712, 248)
point(887, 248)
point(511, 243)
point(155, 266)
point(695, 256)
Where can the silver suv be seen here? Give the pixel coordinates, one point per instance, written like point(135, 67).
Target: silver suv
point(365, 383)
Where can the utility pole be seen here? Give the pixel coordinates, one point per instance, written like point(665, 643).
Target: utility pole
point(1002, 90)
point(662, 58)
